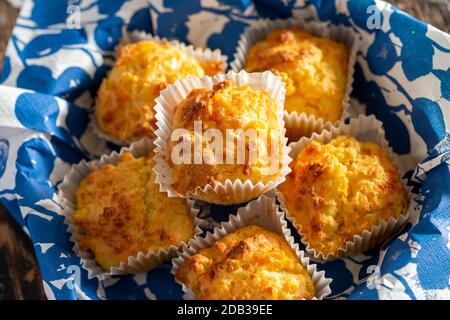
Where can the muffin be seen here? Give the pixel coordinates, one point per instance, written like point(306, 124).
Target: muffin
point(337, 190)
point(250, 263)
point(314, 69)
point(120, 212)
point(125, 100)
point(229, 109)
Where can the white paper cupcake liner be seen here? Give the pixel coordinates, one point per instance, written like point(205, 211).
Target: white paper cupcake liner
point(136, 36)
point(262, 212)
point(364, 128)
point(229, 192)
point(142, 261)
point(295, 122)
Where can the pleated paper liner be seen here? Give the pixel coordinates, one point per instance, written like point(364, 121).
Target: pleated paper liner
point(364, 128)
point(142, 261)
point(200, 54)
point(262, 212)
point(229, 192)
point(299, 124)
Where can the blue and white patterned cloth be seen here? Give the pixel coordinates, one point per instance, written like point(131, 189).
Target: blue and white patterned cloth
point(52, 71)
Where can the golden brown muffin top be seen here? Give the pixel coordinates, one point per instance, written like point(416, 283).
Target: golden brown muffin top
point(315, 70)
point(227, 107)
point(339, 189)
point(250, 263)
point(125, 100)
point(121, 212)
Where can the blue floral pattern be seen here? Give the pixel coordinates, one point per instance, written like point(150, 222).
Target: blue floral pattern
point(51, 74)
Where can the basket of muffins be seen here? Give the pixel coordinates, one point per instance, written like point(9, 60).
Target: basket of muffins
point(272, 141)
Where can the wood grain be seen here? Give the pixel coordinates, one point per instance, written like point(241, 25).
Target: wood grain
point(19, 272)
point(434, 12)
point(8, 16)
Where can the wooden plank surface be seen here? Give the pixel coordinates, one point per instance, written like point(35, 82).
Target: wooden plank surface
point(8, 16)
point(19, 274)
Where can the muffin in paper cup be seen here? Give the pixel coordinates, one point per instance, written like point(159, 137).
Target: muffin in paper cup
point(227, 191)
point(142, 261)
point(363, 128)
point(200, 54)
point(262, 212)
point(300, 124)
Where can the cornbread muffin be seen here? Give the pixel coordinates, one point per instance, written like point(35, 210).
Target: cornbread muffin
point(250, 263)
point(125, 100)
point(227, 109)
point(314, 69)
point(121, 212)
point(339, 189)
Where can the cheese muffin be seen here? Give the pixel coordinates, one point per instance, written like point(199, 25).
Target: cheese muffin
point(314, 69)
point(337, 190)
point(121, 212)
point(233, 111)
point(125, 100)
point(250, 263)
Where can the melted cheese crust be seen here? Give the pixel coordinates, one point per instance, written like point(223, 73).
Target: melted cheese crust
point(121, 212)
point(314, 69)
point(125, 100)
point(339, 189)
point(227, 107)
point(250, 263)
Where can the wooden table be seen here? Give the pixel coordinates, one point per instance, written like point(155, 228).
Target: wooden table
point(19, 274)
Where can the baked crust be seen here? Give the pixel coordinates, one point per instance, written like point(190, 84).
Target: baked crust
point(339, 189)
point(227, 107)
point(314, 69)
point(125, 100)
point(250, 263)
point(121, 212)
